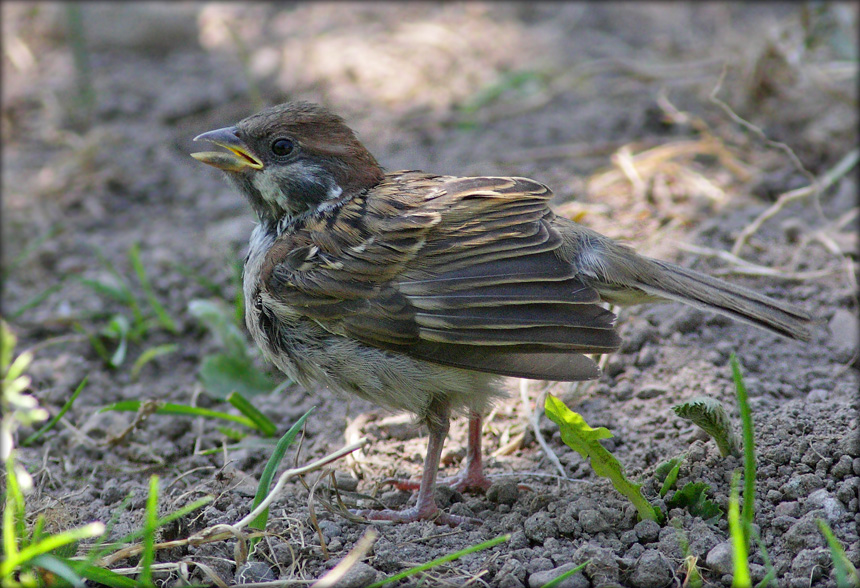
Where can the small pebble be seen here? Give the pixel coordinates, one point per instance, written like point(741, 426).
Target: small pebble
point(648, 531)
point(719, 559)
point(651, 570)
point(252, 572)
point(593, 522)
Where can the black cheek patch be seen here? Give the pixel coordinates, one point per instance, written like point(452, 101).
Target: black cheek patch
point(305, 193)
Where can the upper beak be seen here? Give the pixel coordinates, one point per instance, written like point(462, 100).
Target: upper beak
point(237, 158)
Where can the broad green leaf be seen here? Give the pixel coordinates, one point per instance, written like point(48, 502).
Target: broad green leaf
point(693, 497)
point(222, 374)
point(582, 438)
point(709, 414)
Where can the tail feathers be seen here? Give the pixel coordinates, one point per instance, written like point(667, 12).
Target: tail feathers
point(674, 282)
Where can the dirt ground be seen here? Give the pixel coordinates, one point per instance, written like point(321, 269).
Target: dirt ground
point(669, 126)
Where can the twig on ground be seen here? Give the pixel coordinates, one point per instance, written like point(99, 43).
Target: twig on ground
point(312, 514)
point(754, 129)
point(747, 268)
point(816, 187)
point(222, 531)
point(535, 422)
point(359, 550)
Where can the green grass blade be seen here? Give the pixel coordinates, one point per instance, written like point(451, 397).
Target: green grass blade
point(442, 560)
point(213, 288)
point(36, 300)
point(117, 293)
point(671, 478)
point(102, 576)
point(14, 514)
point(150, 525)
point(558, 580)
point(120, 543)
point(94, 551)
point(48, 544)
point(28, 251)
point(51, 423)
point(180, 409)
point(150, 354)
point(163, 318)
point(748, 512)
point(739, 537)
point(846, 573)
point(271, 467)
point(58, 567)
point(261, 422)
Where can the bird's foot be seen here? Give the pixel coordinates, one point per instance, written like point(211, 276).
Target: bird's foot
point(468, 480)
point(413, 514)
point(465, 481)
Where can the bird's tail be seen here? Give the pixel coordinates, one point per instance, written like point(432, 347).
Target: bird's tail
point(673, 282)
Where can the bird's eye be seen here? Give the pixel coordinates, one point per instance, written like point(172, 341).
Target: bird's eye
point(282, 147)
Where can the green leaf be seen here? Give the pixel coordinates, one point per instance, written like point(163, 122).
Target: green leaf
point(21, 363)
point(583, 439)
point(271, 467)
point(215, 316)
point(665, 468)
point(222, 374)
point(672, 476)
point(231, 433)
point(118, 328)
point(709, 414)
point(693, 497)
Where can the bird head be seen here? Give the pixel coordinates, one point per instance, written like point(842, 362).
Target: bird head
point(292, 159)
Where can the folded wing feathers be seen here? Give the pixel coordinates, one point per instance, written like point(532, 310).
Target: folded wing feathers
point(485, 292)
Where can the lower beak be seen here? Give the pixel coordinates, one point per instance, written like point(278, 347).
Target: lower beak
point(238, 156)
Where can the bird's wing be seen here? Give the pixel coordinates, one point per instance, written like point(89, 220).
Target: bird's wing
point(459, 271)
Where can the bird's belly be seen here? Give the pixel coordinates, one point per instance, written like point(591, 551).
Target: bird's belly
point(313, 356)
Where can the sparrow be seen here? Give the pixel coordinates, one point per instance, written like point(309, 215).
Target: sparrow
point(419, 291)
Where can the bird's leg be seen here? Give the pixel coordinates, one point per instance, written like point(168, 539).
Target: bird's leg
point(471, 477)
point(425, 507)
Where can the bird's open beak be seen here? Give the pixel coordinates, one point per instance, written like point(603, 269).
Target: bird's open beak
point(238, 157)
